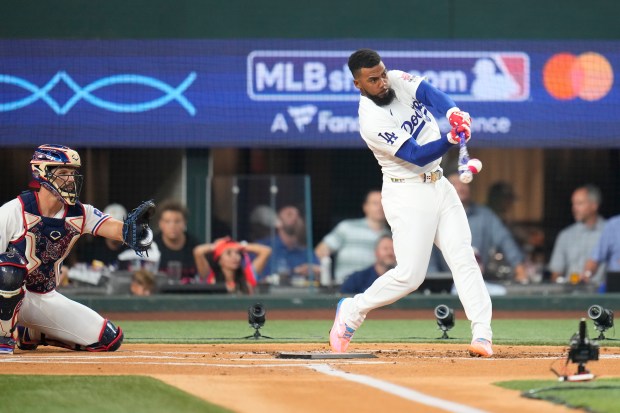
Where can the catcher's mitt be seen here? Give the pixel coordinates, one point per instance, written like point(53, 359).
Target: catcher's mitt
point(136, 231)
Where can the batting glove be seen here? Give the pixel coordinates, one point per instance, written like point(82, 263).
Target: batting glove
point(456, 117)
point(454, 134)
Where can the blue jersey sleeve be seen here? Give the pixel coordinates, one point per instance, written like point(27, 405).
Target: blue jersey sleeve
point(433, 97)
point(420, 155)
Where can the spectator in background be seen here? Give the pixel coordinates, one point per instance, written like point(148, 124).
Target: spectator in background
point(488, 235)
point(228, 263)
point(606, 251)
point(353, 240)
point(500, 199)
point(385, 260)
point(176, 245)
point(263, 220)
point(289, 252)
point(575, 243)
point(142, 283)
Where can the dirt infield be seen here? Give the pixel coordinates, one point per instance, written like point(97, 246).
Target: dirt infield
point(251, 378)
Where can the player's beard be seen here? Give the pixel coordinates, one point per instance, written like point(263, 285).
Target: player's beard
point(382, 101)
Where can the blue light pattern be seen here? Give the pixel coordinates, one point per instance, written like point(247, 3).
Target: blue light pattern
point(85, 93)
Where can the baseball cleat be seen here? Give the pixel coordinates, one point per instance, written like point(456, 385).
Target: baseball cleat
point(340, 335)
point(7, 345)
point(480, 347)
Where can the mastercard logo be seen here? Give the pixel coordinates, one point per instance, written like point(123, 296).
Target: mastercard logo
point(588, 76)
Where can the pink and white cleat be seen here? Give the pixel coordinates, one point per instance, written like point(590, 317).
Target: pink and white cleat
point(480, 347)
point(340, 335)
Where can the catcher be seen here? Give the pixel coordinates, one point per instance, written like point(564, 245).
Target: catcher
point(37, 231)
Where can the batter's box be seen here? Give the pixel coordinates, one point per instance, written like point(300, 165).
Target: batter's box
point(326, 356)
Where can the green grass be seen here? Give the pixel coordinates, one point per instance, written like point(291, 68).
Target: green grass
point(599, 396)
point(94, 394)
point(510, 332)
point(136, 394)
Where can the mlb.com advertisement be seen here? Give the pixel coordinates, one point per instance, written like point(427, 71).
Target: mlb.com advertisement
point(286, 93)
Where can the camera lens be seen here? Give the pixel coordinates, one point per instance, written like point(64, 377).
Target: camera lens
point(595, 312)
point(442, 311)
point(256, 314)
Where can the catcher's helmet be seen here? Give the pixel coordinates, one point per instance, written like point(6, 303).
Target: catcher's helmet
point(12, 270)
point(46, 159)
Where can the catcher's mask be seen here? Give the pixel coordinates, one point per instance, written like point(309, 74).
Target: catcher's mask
point(47, 159)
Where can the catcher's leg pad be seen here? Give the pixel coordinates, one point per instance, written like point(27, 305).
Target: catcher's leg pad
point(110, 339)
point(11, 297)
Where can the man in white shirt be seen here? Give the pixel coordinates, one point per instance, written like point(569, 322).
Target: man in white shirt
point(574, 243)
point(354, 240)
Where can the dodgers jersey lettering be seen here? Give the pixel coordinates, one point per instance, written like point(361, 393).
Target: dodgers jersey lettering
point(386, 128)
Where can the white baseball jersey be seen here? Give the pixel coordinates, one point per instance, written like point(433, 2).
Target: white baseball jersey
point(386, 128)
point(12, 221)
point(419, 212)
point(51, 313)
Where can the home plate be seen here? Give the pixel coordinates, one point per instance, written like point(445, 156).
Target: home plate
point(325, 356)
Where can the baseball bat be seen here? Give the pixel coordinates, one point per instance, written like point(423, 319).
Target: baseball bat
point(463, 155)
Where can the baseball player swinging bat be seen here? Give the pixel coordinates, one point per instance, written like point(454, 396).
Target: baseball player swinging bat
point(467, 167)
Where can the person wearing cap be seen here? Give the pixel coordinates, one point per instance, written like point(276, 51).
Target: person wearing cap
point(228, 262)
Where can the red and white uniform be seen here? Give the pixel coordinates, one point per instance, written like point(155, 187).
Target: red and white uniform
point(45, 242)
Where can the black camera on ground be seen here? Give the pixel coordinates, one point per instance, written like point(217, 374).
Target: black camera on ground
point(603, 319)
point(256, 319)
point(445, 319)
point(582, 349)
point(256, 315)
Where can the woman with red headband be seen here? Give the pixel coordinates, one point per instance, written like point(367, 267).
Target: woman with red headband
point(228, 263)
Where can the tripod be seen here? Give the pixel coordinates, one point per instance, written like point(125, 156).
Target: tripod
point(257, 333)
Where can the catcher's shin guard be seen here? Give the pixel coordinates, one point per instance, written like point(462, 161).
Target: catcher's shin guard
point(11, 296)
point(110, 339)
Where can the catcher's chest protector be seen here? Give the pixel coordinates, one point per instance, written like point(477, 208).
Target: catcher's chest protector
point(46, 242)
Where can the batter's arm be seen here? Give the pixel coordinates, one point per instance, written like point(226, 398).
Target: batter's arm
point(433, 97)
point(420, 155)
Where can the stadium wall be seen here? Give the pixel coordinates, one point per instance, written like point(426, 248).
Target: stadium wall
point(416, 301)
point(441, 19)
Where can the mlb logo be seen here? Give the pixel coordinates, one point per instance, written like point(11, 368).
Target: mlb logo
point(470, 76)
point(501, 77)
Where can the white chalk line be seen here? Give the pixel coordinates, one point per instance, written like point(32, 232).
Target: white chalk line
point(395, 389)
point(101, 357)
point(192, 364)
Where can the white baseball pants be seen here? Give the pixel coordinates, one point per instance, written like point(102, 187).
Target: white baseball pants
point(60, 318)
point(421, 214)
